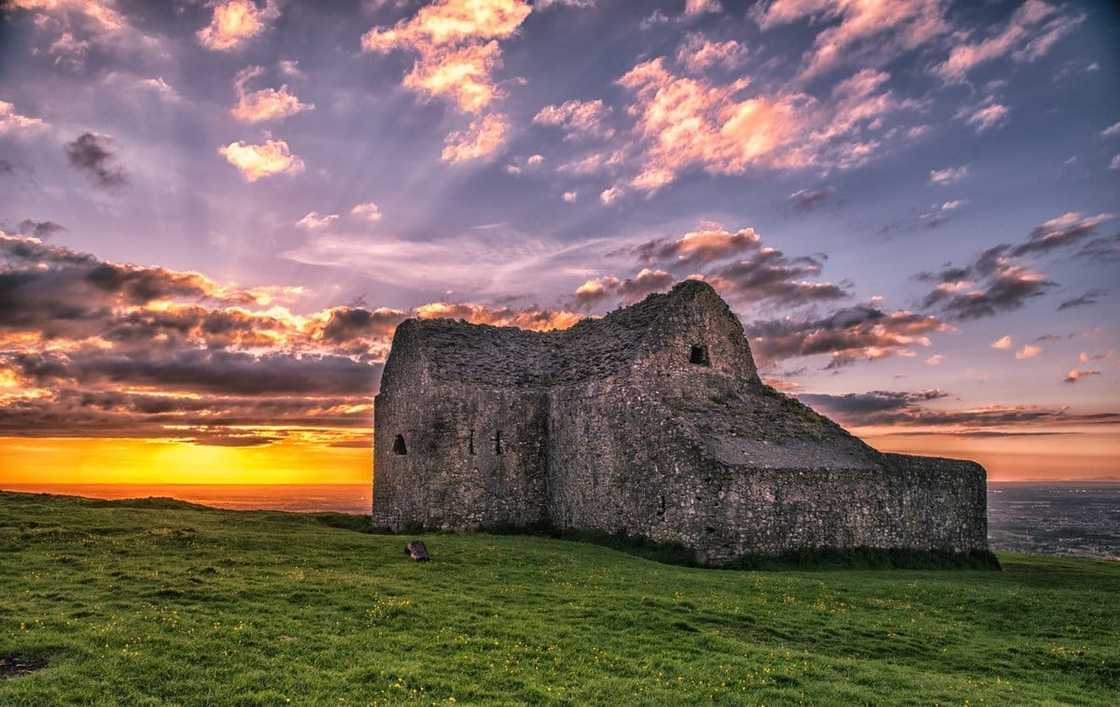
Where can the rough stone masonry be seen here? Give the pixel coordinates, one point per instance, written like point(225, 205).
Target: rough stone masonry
point(652, 423)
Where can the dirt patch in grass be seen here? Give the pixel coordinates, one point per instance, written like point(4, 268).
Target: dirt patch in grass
point(14, 666)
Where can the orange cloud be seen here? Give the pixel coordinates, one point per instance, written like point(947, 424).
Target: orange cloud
point(456, 43)
point(13, 122)
point(866, 28)
point(684, 122)
point(258, 161)
point(235, 22)
point(463, 75)
point(266, 103)
point(697, 53)
point(578, 119)
point(482, 138)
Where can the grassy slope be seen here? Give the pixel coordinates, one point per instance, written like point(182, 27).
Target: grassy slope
point(159, 603)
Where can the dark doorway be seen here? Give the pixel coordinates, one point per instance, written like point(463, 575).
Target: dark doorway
point(699, 355)
point(497, 443)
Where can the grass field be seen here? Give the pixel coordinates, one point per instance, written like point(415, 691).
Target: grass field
point(157, 602)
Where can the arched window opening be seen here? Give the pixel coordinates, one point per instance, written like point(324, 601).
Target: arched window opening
point(699, 355)
point(470, 443)
point(498, 442)
point(399, 447)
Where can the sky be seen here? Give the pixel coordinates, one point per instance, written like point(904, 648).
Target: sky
point(214, 214)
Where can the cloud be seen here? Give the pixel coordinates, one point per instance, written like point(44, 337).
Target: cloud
point(697, 53)
point(1088, 298)
point(987, 117)
point(646, 282)
point(875, 405)
point(93, 154)
point(809, 199)
point(457, 44)
point(947, 176)
point(266, 103)
point(1027, 351)
point(593, 292)
point(38, 229)
point(700, 7)
point(578, 119)
point(848, 335)
point(234, 22)
point(1006, 288)
point(258, 161)
point(700, 247)
point(1112, 130)
point(532, 318)
point(935, 360)
point(867, 31)
point(1003, 342)
point(683, 123)
point(1060, 232)
point(570, 197)
point(1075, 375)
point(1101, 250)
point(484, 137)
point(911, 410)
point(12, 122)
point(368, 211)
point(610, 195)
point(995, 282)
point(315, 221)
point(770, 276)
point(1032, 30)
point(125, 350)
point(655, 19)
point(82, 23)
point(1115, 163)
point(632, 289)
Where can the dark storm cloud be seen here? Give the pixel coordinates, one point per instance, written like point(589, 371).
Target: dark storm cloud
point(63, 293)
point(1006, 290)
point(809, 199)
point(93, 154)
point(770, 275)
point(997, 282)
point(202, 371)
point(862, 406)
point(208, 420)
point(1106, 249)
point(849, 335)
point(1060, 232)
point(38, 229)
point(909, 409)
point(1090, 297)
point(349, 323)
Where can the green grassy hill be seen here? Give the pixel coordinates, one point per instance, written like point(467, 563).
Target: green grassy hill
point(159, 602)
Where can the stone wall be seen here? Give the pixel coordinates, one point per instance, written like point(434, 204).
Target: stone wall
point(651, 423)
point(473, 458)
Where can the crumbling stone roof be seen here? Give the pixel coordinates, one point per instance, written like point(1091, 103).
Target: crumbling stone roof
point(456, 350)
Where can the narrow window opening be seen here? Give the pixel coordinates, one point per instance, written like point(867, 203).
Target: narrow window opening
point(661, 504)
point(699, 355)
point(497, 443)
point(399, 446)
point(470, 443)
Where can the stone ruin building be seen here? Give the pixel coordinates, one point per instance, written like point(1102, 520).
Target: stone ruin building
point(651, 423)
